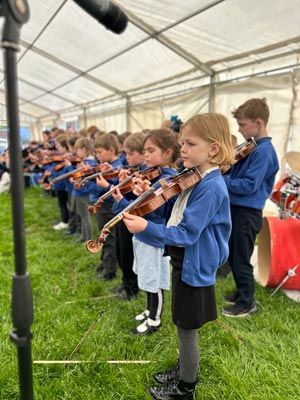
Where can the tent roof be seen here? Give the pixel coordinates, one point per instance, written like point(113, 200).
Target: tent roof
point(67, 59)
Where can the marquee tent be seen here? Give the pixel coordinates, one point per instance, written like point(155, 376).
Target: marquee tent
point(174, 58)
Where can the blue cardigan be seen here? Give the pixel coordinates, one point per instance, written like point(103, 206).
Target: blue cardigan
point(159, 216)
point(203, 231)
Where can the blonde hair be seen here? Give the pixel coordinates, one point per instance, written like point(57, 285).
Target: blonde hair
point(213, 127)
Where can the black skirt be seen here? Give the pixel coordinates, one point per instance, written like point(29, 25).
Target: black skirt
point(192, 306)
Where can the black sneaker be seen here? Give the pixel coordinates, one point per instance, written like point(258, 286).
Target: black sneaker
point(117, 289)
point(106, 276)
point(125, 295)
point(174, 390)
point(170, 375)
point(238, 311)
point(230, 298)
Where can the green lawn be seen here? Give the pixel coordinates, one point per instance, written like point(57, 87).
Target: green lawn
point(257, 358)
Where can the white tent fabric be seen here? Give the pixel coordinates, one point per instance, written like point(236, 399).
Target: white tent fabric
point(174, 58)
point(68, 60)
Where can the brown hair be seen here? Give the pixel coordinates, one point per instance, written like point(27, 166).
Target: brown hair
point(82, 133)
point(123, 136)
point(165, 139)
point(253, 109)
point(213, 127)
point(135, 142)
point(167, 124)
point(63, 141)
point(84, 143)
point(93, 132)
point(91, 129)
point(107, 141)
point(72, 140)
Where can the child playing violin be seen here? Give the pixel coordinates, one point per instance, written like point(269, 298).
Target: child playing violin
point(160, 149)
point(249, 184)
point(133, 147)
point(74, 227)
point(85, 151)
point(197, 236)
point(61, 144)
point(106, 150)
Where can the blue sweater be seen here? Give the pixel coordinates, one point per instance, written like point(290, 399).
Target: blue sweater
point(251, 179)
point(84, 191)
point(60, 185)
point(96, 191)
point(204, 231)
point(159, 216)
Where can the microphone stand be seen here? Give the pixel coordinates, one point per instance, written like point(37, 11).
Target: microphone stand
point(16, 13)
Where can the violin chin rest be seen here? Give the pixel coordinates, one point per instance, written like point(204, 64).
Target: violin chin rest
point(93, 247)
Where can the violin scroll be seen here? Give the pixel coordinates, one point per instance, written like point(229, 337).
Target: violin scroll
point(241, 151)
point(93, 246)
point(92, 209)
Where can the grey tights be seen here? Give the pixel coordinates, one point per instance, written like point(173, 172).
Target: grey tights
point(189, 354)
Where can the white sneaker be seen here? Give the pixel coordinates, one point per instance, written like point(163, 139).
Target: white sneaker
point(60, 225)
point(143, 316)
point(148, 327)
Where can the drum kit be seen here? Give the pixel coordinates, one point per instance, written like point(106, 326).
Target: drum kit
point(286, 192)
point(278, 240)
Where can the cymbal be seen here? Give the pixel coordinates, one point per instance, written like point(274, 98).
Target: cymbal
point(293, 160)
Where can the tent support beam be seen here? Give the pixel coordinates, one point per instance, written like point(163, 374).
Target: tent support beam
point(153, 34)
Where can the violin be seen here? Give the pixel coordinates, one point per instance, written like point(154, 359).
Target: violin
point(52, 159)
point(65, 176)
point(153, 198)
point(127, 185)
point(108, 173)
point(77, 173)
point(74, 160)
point(90, 171)
point(149, 201)
point(241, 151)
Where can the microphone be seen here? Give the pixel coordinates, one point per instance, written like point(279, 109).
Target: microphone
point(105, 12)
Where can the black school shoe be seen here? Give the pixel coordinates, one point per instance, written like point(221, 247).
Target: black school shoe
point(230, 298)
point(170, 375)
point(174, 390)
point(104, 276)
point(126, 295)
point(117, 289)
point(238, 311)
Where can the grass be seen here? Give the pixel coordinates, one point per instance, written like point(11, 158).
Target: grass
point(256, 358)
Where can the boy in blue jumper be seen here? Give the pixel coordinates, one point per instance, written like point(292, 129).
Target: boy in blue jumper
point(106, 150)
point(249, 183)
